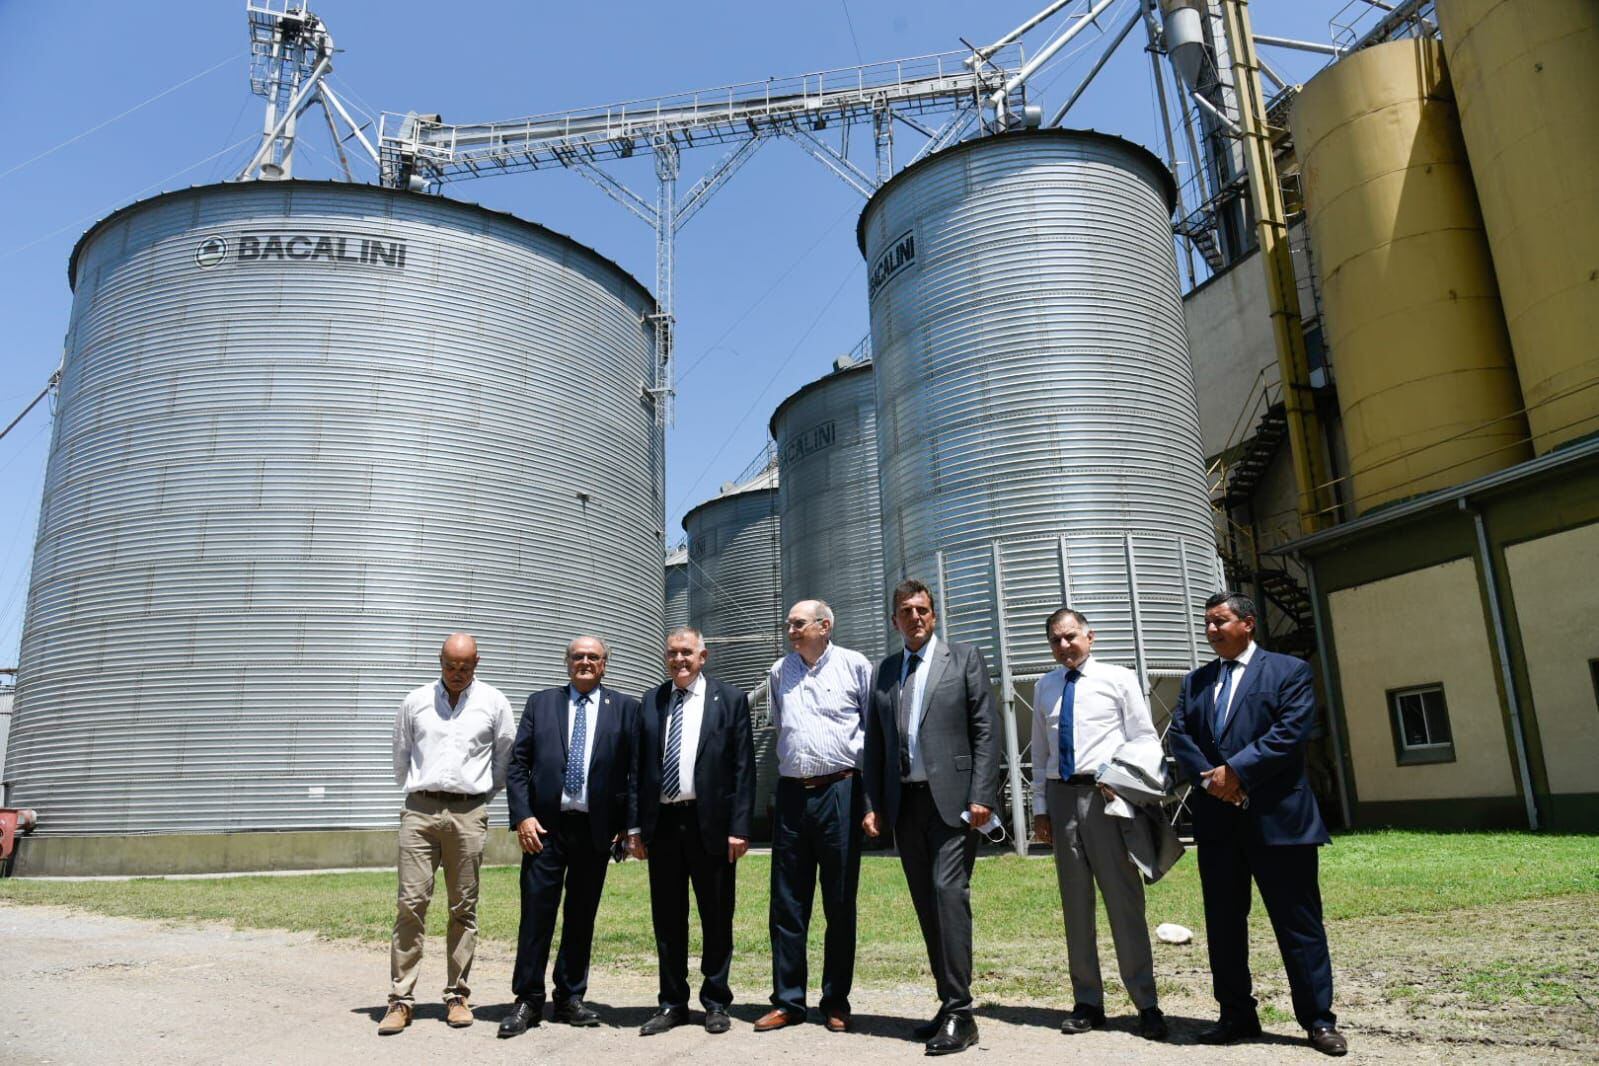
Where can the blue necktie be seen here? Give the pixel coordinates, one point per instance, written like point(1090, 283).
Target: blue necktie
point(1064, 743)
point(574, 751)
point(670, 770)
point(1225, 694)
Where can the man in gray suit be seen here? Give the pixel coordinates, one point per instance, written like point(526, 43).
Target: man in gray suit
point(931, 763)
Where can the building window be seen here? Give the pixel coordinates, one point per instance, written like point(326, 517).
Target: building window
point(1420, 720)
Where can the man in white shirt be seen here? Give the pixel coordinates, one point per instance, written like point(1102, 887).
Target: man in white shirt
point(1082, 713)
point(452, 741)
point(820, 693)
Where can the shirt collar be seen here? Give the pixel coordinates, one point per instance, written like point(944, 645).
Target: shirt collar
point(572, 693)
point(925, 652)
point(697, 688)
point(1243, 656)
point(440, 693)
point(821, 660)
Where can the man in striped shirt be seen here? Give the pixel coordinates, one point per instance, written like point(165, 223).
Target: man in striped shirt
point(819, 693)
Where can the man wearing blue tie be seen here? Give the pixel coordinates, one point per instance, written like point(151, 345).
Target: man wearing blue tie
point(1083, 713)
point(1238, 735)
point(572, 793)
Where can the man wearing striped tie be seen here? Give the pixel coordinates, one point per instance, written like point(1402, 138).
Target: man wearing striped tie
point(696, 780)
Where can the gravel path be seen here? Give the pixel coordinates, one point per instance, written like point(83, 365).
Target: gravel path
point(81, 988)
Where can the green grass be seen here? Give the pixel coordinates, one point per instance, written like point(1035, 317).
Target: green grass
point(1020, 946)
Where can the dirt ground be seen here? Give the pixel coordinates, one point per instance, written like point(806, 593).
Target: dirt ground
point(80, 988)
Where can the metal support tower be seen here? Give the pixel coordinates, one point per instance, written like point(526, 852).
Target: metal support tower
point(291, 54)
point(1317, 504)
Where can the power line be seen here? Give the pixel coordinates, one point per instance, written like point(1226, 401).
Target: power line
point(115, 118)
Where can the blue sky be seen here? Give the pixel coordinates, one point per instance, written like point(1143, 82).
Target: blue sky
point(770, 285)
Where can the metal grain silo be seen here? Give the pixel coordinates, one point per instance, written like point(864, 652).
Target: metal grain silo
point(676, 588)
point(734, 599)
point(305, 430)
point(832, 539)
point(1425, 379)
point(1526, 83)
point(1038, 436)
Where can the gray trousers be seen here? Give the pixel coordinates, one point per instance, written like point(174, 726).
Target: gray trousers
point(938, 861)
point(1089, 848)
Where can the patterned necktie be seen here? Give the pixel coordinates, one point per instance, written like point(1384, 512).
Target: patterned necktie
point(1066, 742)
point(670, 771)
point(907, 703)
point(574, 751)
point(1225, 694)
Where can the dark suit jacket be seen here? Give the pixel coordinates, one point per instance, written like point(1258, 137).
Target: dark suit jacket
point(959, 734)
point(1272, 714)
point(538, 762)
point(724, 764)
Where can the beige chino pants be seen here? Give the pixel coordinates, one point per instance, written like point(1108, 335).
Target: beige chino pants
point(434, 833)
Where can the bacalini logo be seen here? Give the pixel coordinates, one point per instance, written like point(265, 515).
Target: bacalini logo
point(212, 250)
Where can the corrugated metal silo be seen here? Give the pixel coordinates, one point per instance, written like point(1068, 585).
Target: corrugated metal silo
point(734, 599)
point(306, 429)
point(1037, 427)
point(832, 539)
point(677, 588)
point(1425, 380)
point(1526, 82)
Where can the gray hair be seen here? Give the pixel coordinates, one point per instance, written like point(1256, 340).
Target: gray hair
point(688, 631)
point(605, 649)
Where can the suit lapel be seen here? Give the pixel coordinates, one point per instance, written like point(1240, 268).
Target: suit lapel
point(1205, 680)
point(936, 665)
point(1241, 689)
point(563, 697)
point(711, 708)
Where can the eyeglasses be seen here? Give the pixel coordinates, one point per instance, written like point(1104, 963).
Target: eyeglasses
point(585, 656)
point(801, 623)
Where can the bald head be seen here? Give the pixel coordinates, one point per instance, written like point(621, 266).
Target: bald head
point(585, 662)
point(457, 663)
point(810, 627)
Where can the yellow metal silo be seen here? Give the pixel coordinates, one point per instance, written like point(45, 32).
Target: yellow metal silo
point(1526, 77)
point(1413, 320)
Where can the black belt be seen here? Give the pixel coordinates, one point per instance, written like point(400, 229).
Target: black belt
point(678, 803)
point(822, 779)
point(451, 797)
point(906, 786)
point(1081, 779)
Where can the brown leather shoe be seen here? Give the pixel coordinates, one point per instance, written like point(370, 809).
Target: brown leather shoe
point(397, 1018)
point(776, 1018)
point(1329, 1041)
point(457, 1015)
point(838, 1021)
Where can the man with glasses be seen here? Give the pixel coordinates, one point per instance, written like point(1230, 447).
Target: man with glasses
point(572, 795)
point(819, 697)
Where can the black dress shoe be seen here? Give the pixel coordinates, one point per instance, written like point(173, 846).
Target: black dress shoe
point(1083, 1018)
point(927, 1030)
point(1328, 1041)
point(1152, 1024)
point(958, 1033)
point(662, 1020)
point(523, 1017)
point(576, 1013)
point(717, 1021)
point(1230, 1031)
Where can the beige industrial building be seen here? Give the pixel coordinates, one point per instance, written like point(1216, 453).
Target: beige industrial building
point(1446, 262)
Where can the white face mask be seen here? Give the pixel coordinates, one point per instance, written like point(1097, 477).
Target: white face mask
point(993, 829)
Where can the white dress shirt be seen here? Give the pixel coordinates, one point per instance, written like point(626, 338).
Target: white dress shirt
point(465, 748)
point(819, 711)
point(913, 739)
point(1238, 678)
point(591, 719)
point(693, 714)
point(1108, 710)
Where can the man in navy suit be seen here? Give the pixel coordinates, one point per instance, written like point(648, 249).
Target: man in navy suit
point(572, 794)
point(696, 803)
point(1238, 735)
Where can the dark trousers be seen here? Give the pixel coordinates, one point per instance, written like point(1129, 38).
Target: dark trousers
point(938, 864)
point(677, 859)
point(1287, 876)
point(570, 858)
point(815, 831)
